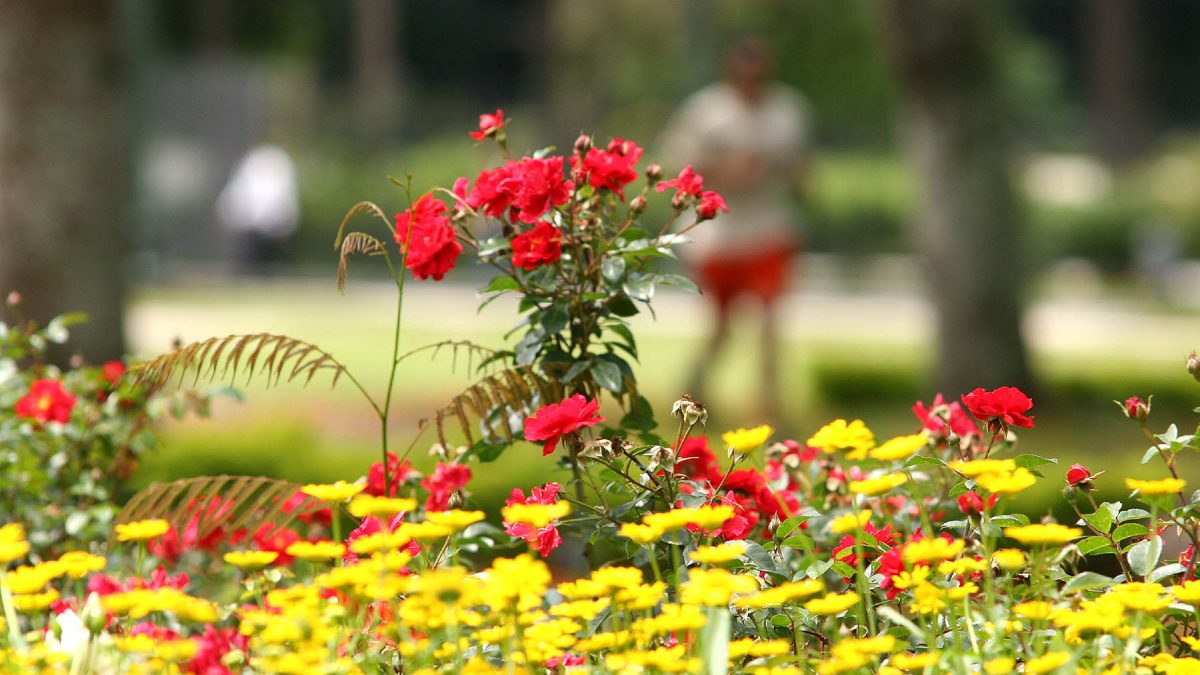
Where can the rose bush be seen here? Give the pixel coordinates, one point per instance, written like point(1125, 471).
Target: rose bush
point(738, 552)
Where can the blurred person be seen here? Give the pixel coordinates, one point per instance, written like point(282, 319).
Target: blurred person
point(260, 205)
point(748, 136)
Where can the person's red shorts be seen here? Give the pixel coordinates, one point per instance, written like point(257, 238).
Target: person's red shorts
point(762, 274)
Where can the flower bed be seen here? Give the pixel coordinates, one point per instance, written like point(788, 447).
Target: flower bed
point(754, 554)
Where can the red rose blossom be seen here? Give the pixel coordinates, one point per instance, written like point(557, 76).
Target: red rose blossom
point(1005, 405)
point(427, 238)
point(540, 246)
point(942, 418)
point(489, 124)
point(445, 480)
point(1077, 474)
point(544, 539)
point(710, 204)
point(610, 169)
point(47, 401)
point(551, 422)
point(112, 371)
point(687, 183)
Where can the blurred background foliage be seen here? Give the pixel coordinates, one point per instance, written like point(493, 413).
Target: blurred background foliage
point(1105, 124)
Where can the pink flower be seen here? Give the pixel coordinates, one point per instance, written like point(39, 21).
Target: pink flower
point(956, 419)
point(1005, 405)
point(489, 124)
point(428, 240)
point(47, 401)
point(551, 422)
point(710, 204)
point(545, 539)
point(540, 246)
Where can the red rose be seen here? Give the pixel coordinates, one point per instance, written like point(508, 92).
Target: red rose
point(488, 125)
point(427, 238)
point(971, 503)
point(697, 461)
point(942, 418)
point(397, 471)
point(710, 203)
point(546, 539)
point(540, 246)
point(112, 371)
point(610, 169)
point(551, 422)
point(445, 480)
point(1136, 409)
point(688, 183)
point(489, 193)
point(1006, 405)
point(47, 401)
point(536, 185)
point(1077, 474)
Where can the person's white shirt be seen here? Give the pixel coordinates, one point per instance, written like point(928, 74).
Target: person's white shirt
point(262, 195)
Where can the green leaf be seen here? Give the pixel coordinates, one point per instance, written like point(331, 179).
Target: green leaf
point(679, 281)
point(1087, 580)
point(785, 528)
point(798, 541)
point(485, 451)
point(608, 375)
point(641, 288)
point(1034, 461)
point(1166, 571)
point(843, 569)
point(920, 460)
point(1127, 514)
point(499, 284)
point(554, 319)
point(1127, 530)
point(1143, 556)
point(613, 269)
point(621, 305)
point(1095, 546)
point(575, 370)
point(1101, 520)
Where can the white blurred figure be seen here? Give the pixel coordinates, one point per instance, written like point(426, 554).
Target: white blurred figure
point(260, 205)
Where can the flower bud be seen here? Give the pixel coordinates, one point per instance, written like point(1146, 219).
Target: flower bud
point(13, 299)
point(583, 144)
point(1193, 366)
point(654, 173)
point(93, 614)
point(679, 201)
point(1079, 476)
point(637, 204)
point(1136, 409)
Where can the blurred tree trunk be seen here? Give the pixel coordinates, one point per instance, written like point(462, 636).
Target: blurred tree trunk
point(967, 228)
point(1116, 77)
point(65, 179)
point(378, 78)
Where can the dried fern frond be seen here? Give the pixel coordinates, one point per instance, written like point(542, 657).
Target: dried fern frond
point(279, 357)
point(473, 351)
point(359, 243)
point(360, 208)
point(508, 392)
point(224, 503)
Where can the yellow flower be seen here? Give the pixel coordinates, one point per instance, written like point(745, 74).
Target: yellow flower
point(962, 566)
point(715, 555)
point(906, 580)
point(642, 534)
point(78, 564)
point(316, 551)
point(333, 492)
point(1009, 559)
point(1150, 598)
point(751, 647)
point(12, 543)
point(142, 530)
point(854, 438)
point(535, 515)
point(1000, 666)
point(35, 602)
point(850, 522)
point(1033, 609)
point(32, 578)
point(714, 587)
point(781, 594)
point(250, 561)
point(1047, 662)
point(1192, 642)
point(456, 520)
point(745, 440)
point(914, 661)
point(960, 592)
point(878, 485)
point(979, 467)
point(932, 549)
point(707, 517)
point(1043, 533)
point(371, 505)
point(1164, 486)
point(927, 599)
point(900, 447)
point(1009, 483)
point(1188, 591)
point(832, 603)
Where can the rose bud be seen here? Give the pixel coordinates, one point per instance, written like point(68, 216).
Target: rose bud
point(583, 143)
point(1193, 366)
point(1136, 409)
point(654, 173)
point(1078, 475)
point(637, 204)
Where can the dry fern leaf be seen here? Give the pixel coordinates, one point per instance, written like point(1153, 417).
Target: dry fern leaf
point(359, 208)
point(216, 504)
point(356, 243)
point(508, 392)
point(456, 347)
point(279, 357)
